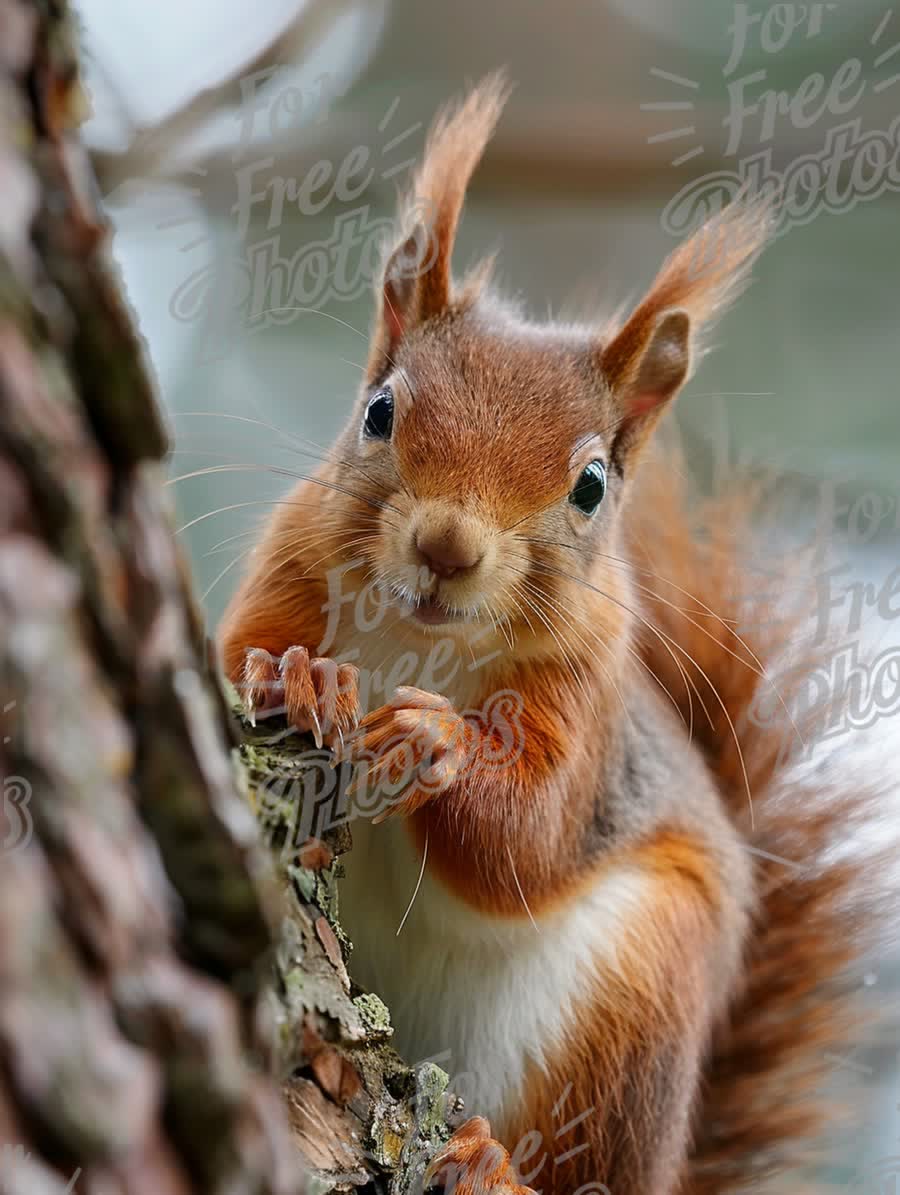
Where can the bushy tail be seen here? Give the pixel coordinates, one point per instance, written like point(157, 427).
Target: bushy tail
point(737, 664)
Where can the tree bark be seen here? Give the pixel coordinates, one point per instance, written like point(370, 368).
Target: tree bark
point(175, 1010)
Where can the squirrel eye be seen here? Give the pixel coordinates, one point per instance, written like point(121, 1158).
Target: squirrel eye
point(589, 488)
point(379, 421)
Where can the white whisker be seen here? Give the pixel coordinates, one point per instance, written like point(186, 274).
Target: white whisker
point(416, 889)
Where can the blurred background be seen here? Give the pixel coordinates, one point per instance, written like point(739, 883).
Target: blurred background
point(249, 154)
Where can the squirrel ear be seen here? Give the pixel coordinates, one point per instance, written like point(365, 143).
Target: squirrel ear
point(650, 357)
point(416, 280)
point(646, 365)
point(401, 299)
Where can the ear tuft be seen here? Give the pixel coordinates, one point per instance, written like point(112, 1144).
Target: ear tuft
point(417, 276)
point(650, 357)
point(712, 268)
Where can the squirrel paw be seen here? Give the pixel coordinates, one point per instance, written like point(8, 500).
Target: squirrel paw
point(414, 747)
point(473, 1163)
point(318, 696)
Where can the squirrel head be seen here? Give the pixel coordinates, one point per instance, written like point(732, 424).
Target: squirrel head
point(498, 451)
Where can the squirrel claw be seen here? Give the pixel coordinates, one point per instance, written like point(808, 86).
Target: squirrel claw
point(317, 695)
point(316, 728)
point(260, 685)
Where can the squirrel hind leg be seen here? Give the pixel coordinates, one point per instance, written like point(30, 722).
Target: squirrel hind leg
point(473, 1163)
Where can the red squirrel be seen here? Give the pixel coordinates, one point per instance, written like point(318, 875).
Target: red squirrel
point(606, 935)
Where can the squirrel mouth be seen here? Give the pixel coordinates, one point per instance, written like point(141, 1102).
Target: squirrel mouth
point(431, 613)
point(428, 611)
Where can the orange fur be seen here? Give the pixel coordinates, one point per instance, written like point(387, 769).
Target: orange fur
point(640, 1036)
point(500, 837)
point(818, 913)
point(280, 601)
point(701, 1045)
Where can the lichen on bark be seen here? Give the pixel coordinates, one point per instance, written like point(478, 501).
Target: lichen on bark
point(384, 1119)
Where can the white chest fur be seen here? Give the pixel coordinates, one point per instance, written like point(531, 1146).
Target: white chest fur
point(483, 997)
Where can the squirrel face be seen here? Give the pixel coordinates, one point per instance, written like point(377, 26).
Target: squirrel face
point(491, 445)
point(495, 451)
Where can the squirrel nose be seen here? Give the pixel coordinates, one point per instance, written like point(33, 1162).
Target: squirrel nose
point(446, 555)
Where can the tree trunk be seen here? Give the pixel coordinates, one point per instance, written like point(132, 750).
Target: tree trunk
point(147, 1040)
